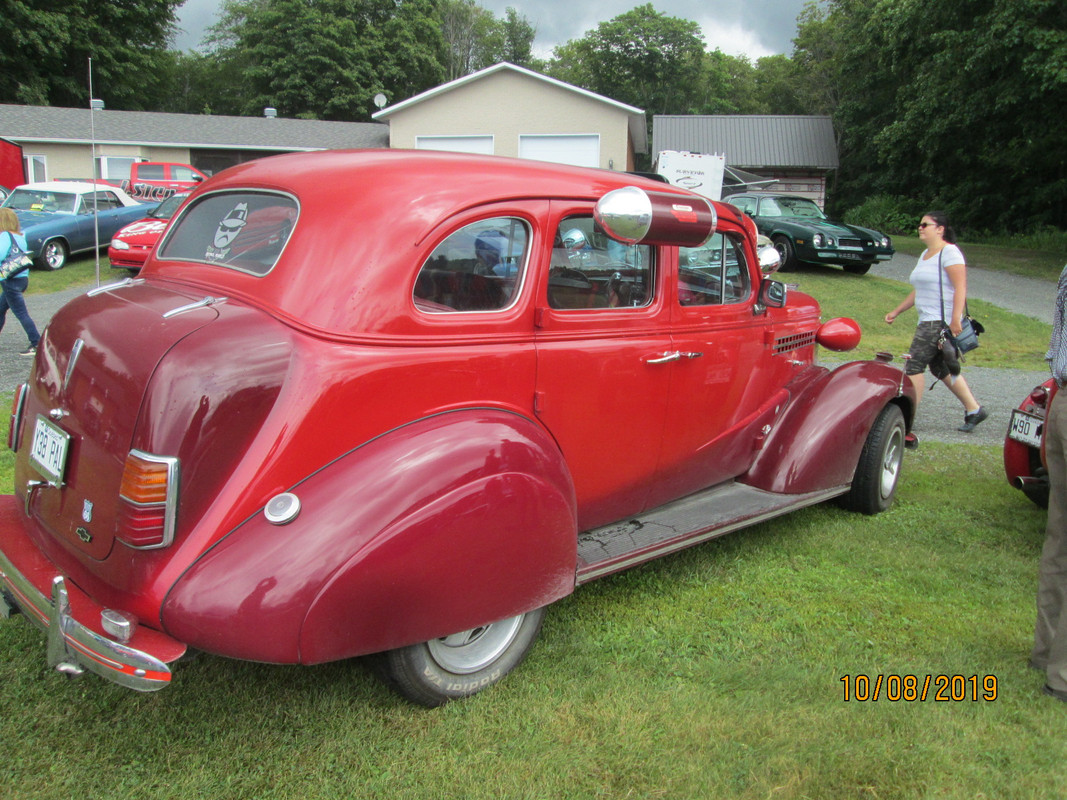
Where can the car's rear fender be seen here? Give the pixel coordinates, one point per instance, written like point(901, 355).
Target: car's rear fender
point(452, 521)
point(816, 444)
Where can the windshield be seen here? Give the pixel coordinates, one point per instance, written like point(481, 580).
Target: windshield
point(167, 208)
point(242, 230)
point(790, 207)
point(42, 200)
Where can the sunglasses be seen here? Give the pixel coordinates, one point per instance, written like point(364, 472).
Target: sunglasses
point(923, 225)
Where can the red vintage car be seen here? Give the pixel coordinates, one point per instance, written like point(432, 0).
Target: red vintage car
point(131, 245)
point(409, 422)
point(1024, 444)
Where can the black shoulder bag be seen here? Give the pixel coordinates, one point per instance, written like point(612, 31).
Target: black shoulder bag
point(967, 340)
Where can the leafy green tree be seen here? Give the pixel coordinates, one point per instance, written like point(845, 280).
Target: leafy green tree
point(47, 47)
point(953, 103)
point(475, 38)
point(643, 58)
point(322, 59)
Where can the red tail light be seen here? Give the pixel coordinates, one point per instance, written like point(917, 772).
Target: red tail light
point(1039, 396)
point(149, 493)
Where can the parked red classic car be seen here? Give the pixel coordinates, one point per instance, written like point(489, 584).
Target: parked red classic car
point(1024, 444)
point(131, 245)
point(407, 423)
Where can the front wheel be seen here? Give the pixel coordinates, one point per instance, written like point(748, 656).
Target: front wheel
point(462, 664)
point(786, 252)
point(53, 255)
point(878, 471)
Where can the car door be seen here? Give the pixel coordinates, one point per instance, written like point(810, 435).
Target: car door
point(82, 234)
point(723, 389)
point(602, 331)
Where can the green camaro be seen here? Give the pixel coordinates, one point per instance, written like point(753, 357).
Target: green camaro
point(802, 233)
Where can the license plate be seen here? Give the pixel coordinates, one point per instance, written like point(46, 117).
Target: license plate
point(1026, 428)
point(48, 453)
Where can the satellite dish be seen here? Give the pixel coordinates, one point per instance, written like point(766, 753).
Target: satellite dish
point(380, 100)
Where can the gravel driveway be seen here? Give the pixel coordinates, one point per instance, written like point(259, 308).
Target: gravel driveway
point(999, 390)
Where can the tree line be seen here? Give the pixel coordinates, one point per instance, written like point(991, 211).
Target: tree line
point(947, 105)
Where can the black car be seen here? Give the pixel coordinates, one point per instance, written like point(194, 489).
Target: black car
point(802, 233)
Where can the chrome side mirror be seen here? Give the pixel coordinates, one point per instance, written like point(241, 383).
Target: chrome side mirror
point(769, 259)
point(772, 294)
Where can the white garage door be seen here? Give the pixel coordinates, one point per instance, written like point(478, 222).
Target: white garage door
point(456, 144)
point(580, 150)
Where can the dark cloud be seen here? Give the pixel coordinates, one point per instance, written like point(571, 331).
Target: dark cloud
point(753, 28)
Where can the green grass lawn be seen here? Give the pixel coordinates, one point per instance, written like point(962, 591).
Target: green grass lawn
point(1042, 264)
point(714, 673)
point(1011, 340)
point(79, 271)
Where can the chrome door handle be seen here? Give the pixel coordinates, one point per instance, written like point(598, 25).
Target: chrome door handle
point(666, 357)
point(675, 356)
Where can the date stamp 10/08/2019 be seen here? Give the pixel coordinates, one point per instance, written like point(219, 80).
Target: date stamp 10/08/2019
point(919, 688)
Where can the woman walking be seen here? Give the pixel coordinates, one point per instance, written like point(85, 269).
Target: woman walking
point(939, 294)
point(13, 287)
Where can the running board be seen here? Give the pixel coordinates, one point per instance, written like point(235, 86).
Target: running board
point(684, 523)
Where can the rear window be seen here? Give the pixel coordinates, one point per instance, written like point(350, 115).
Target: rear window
point(246, 231)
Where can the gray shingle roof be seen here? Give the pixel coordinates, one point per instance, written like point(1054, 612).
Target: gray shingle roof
point(47, 124)
point(750, 142)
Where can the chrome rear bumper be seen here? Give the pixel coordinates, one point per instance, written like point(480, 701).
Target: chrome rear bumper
point(73, 647)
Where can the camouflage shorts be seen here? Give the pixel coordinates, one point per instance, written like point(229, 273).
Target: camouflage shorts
point(925, 352)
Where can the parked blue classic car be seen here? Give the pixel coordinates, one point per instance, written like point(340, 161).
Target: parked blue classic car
point(802, 233)
point(60, 218)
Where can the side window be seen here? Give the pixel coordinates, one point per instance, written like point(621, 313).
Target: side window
point(180, 173)
point(768, 207)
point(713, 274)
point(107, 200)
point(150, 172)
point(477, 268)
point(592, 270)
point(746, 204)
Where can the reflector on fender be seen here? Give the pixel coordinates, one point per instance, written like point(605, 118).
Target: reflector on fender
point(150, 493)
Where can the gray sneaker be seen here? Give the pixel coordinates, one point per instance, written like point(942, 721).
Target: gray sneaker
point(970, 421)
point(29, 351)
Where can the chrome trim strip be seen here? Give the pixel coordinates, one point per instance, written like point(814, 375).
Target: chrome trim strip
point(15, 433)
point(72, 647)
point(207, 301)
point(75, 352)
point(107, 287)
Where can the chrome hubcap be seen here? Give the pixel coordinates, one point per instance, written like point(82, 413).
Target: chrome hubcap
point(475, 649)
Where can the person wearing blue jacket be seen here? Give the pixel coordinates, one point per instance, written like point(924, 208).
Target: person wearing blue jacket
point(13, 287)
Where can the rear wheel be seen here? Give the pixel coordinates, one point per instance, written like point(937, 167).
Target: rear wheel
point(432, 673)
point(53, 255)
point(878, 471)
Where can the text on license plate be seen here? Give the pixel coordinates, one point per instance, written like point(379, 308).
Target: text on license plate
point(48, 453)
point(1026, 428)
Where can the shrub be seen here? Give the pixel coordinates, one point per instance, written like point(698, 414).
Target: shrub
point(892, 215)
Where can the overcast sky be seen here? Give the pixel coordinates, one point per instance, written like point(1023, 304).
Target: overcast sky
point(753, 28)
